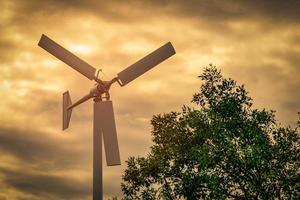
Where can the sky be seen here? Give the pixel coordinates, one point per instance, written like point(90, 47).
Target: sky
point(255, 42)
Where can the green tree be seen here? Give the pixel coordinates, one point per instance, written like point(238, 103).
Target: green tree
point(222, 149)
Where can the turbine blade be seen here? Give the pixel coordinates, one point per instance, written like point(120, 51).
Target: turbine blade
point(66, 113)
point(67, 57)
point(104, 120)
point(146, 63)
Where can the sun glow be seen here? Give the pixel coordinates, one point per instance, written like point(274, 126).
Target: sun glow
point(81, 48)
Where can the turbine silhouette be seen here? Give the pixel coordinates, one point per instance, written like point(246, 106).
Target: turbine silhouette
point(104, 120)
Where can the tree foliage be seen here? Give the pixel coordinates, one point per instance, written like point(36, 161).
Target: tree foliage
point(221, 149)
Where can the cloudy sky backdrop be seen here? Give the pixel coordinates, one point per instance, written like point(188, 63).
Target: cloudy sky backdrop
point(254, 42)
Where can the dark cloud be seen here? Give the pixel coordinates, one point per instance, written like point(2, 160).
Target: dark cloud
point(42, 156)
point(41, 10)
point(276, 11)
point(46, 186)
point(41, 151)
point(219, 10)
point(133, 10)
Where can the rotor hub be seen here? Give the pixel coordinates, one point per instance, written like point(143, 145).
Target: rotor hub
point(101, 90)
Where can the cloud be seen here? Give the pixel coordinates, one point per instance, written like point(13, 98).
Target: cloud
point(49, 168)
point(42, 151)
point(217, 12)
point(46, 186)
point(41, 166)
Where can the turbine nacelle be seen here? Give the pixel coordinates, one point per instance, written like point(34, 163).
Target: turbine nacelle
point(99, 92)
point(100, 89)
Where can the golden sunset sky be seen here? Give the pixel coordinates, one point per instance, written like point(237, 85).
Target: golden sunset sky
point(255, 42)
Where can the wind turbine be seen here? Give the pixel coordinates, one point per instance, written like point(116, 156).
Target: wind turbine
point(104, 121)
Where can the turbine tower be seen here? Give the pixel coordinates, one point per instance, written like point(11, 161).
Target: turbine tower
point(104, 120)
